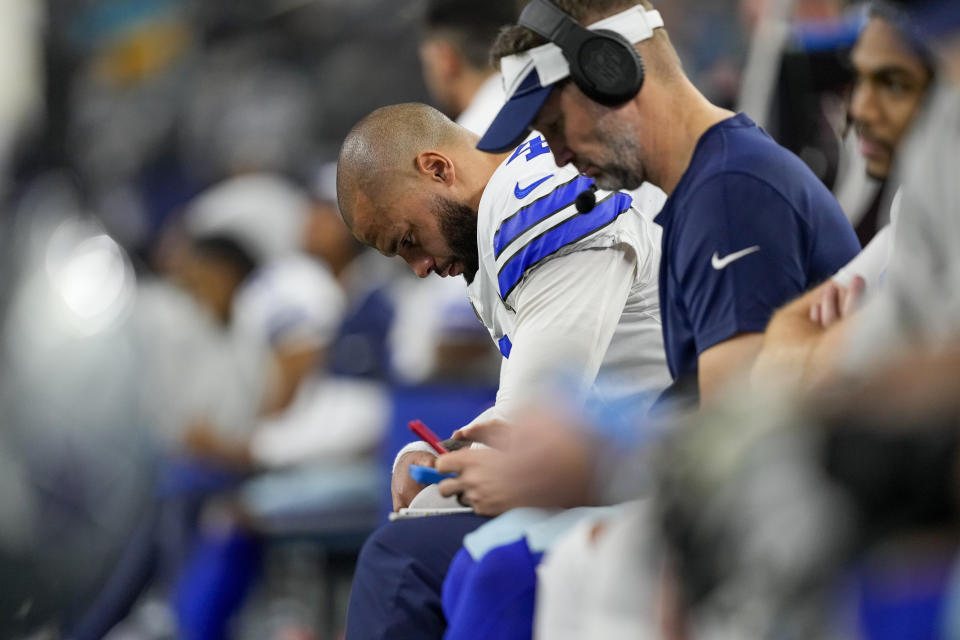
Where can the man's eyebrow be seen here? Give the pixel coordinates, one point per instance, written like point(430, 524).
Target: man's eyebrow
point(888, 69)
point(892, 71)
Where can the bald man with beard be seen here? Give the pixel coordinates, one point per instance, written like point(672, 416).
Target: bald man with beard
point(563, 276)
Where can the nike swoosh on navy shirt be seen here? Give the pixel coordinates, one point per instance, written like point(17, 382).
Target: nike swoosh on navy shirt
point(524, 192)
point(719, 263)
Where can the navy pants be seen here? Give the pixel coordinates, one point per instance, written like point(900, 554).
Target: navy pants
point(398, 583)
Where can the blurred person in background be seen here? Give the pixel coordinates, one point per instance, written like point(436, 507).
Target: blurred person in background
point(282, 311)
point(238, 233)
point(892, 70)
point(361, 347)
point(796, 85)
point(289, 307)
point(214, 269)
point(912, 314)
point(454, 55)
point(893, 73)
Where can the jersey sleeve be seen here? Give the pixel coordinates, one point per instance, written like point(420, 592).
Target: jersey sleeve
point(564, 323)
point(738, 257)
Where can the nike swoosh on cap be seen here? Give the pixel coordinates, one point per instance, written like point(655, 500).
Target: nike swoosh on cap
point(524, 192)
point(719, 263)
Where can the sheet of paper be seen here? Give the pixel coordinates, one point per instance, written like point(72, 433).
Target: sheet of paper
point(429, 502)
point(420, 513)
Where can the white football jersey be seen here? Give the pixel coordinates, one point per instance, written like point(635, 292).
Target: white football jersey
point(527, 217)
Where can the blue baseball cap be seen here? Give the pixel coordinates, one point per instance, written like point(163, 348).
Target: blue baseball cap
point(512, 123)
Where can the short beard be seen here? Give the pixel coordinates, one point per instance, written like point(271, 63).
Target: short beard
point(616, 178)
point(458, 224)
point(628, 172)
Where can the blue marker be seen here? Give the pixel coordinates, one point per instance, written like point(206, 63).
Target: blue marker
point(428, 475)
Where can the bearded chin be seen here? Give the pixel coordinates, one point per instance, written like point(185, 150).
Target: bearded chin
point(469, 273)
point(471, 264)
point(458, 224)
point(616, 178)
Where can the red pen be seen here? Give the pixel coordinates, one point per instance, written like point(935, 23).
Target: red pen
point(424, 433)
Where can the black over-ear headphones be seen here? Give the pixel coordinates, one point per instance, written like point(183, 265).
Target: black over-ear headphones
point(605, 66)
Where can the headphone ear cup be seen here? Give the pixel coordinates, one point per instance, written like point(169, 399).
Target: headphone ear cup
point(607, 68)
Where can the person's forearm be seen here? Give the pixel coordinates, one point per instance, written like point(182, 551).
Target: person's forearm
point(790, 339)
point(822, 364)
point(797, 351)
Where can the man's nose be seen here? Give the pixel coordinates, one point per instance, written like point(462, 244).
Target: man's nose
point(863, 104)
point(422, 264)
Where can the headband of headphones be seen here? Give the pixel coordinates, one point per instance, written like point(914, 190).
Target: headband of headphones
point(528, 76)
point(635, 24)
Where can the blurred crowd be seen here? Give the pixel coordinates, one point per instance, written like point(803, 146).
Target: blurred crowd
point(205, 378)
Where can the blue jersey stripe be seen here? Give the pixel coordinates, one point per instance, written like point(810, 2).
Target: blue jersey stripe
point(505, 346)
point(555, 238)
point(541, 208)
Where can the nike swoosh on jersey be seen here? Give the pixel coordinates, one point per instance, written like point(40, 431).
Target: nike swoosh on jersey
point(524, 192)
point(551, 204)
point(719, 263)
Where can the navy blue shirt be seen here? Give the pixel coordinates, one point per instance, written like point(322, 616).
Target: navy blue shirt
point(748, 228)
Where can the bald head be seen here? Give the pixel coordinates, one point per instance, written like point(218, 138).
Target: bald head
point(409, 183)
point(382, 148)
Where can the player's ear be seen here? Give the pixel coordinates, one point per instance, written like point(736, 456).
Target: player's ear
point(436, 166)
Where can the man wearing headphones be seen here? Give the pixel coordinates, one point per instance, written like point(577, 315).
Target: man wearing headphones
point(746, 227)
